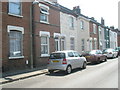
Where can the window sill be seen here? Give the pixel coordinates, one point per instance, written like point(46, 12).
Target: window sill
point(15, 15)
point(45, 55)
point(16, 57)
point(44, 22)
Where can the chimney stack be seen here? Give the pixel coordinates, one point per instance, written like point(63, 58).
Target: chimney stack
point(102, 21)
point(77, 10)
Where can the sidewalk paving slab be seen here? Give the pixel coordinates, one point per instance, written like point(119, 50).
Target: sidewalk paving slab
point(22, 76)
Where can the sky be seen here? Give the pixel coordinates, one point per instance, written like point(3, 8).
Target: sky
point(108, 9)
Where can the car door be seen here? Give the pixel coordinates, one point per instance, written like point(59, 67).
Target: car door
point(71, 59)
point(77, 59)
point(101, 55)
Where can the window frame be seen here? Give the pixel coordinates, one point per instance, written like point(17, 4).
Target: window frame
point(42, 55)
point(71, 22)
point(72, 45)
point(45, 14)
point(94, 28)
point(82, 24)
point(45, 34)
point(62, 46)
point(13, 14)
point(58, 44)
point(19, 29)
point(83, 44)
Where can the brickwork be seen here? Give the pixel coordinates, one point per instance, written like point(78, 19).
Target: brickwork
point(93, 35)
point(15, 21)
point(52, 27)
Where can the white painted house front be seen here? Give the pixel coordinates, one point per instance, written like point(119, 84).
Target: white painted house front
point(68, 25)
point(83, 34)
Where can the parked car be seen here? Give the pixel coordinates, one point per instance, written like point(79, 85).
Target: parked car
point(95, 56)
point(110, 53)
point(66, 61)
point(117, 49)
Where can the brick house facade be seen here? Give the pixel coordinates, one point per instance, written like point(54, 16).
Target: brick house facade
point(94, 39)
point(46, 29)
point(15, 30)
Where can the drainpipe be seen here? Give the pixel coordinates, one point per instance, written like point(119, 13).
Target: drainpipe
point(31, 32)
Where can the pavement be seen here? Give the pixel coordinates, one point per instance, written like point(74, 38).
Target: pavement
point(18, 76)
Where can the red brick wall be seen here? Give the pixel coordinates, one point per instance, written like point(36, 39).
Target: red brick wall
point(53, 27)
point(119, 40)
point(16, 21)
point(94, 35)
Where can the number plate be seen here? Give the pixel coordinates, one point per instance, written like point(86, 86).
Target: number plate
point(55, 61)
point(87, 56)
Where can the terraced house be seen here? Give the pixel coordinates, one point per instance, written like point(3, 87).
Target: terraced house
point(46, 27)
point(83, 34)
point(15, 35)
point(30, 31)
point(94, 43)
point(68, 25)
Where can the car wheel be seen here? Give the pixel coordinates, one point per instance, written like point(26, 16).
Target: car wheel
point(105, 59)
point(84, 65)
point(98, 61)
point(50, 71)
point(68, 70)
point(113, 56)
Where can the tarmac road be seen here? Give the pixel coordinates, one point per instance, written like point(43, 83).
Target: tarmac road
point(103, 75)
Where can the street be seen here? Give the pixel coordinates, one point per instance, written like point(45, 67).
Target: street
point(103, 75)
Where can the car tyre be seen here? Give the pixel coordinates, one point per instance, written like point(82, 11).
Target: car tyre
point(84, 65)
point(98, 61)
point(105, 59)
point(68, 69)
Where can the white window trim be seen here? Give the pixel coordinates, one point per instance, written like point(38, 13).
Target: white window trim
point(16, 28)
point(72, 37)
point(57, 35)
point(44, 6)
point(10, 27)
point(15, 15)
point(47, 34)
point(16, 57)
point(82, 24)
point(64, 43)
point(72, 22)
point(58, 40)
point(44, 33)
point(94, 28)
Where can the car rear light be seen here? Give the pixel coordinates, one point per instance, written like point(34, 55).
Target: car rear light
point(110, 53)
point(64, 61)
point(48, 61)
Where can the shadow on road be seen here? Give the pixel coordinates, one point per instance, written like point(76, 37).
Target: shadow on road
point(91, 64)
point(62, 73)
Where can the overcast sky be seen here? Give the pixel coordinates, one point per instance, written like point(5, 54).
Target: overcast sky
point(108, 9)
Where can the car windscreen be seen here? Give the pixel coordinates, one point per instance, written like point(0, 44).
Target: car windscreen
point(92, 52)
point(57, 56)
point(108, 50)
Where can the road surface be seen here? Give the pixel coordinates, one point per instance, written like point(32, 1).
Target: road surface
point(103, 75)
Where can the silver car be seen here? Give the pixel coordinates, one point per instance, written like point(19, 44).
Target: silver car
point(110, 53)
point(66, 61)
